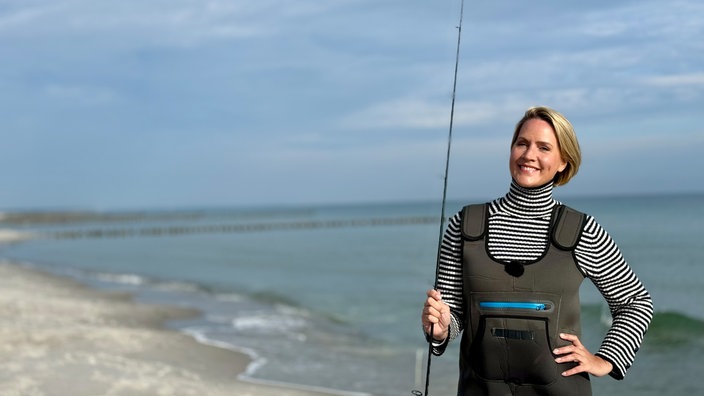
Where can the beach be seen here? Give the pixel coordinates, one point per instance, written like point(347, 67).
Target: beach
point(59, 337)
point(294, 301)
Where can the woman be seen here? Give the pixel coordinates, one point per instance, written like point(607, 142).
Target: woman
point(509, 274)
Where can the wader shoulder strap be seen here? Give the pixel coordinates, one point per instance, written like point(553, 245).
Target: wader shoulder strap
point(474, 218)
point(567, 224)
point(567, 227)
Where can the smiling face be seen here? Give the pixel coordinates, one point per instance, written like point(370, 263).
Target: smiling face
point(535, 155)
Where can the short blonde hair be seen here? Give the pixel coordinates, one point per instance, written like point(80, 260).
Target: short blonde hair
point(566, 140)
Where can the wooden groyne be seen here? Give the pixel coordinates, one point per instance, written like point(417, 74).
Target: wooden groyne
point(174, 230)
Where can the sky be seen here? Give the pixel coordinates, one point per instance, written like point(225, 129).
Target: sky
point(125, 104)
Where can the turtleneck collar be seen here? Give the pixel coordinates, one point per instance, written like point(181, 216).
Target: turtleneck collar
point(528, 202)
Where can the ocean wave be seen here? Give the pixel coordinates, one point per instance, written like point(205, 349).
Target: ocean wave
point(123, 279)
point(271, 323)
point(228, 297)
point(136, 280)
point(668, 328)
point(257, 362)
point(282, 302)
point(273, 298)
point(268, 322)
point(200, 335)
point(672, 328)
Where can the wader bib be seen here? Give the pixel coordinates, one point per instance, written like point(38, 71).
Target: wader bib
point(516, 311)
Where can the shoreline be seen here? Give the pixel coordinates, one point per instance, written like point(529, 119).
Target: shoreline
point(58, 336)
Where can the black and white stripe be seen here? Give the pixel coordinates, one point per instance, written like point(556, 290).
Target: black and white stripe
point(518, 230)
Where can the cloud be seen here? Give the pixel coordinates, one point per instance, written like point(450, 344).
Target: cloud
point(675, 80)
point(17, 18)
point(418, 114)
point(164, 22)
point(502, 108)
point(652, 143)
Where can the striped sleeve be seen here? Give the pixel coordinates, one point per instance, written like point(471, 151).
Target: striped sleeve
point(630, 303)
point(449, 282)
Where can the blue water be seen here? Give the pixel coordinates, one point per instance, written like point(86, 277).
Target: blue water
point(321, 296)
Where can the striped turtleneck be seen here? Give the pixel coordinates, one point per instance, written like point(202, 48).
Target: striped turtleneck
point(518, 227)
point(527, 202)
point(519, 222)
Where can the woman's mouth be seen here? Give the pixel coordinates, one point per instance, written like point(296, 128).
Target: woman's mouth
point(527, 169)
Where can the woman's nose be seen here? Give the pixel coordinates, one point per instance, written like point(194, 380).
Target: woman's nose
point(529, 152)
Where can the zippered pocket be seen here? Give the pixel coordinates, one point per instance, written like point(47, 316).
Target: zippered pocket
point(514, 348)
point(517, 305)
point(513, 335)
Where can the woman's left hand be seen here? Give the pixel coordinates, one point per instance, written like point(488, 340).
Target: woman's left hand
point(586, 361)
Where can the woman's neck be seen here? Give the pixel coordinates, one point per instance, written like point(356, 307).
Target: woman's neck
point(529, 201)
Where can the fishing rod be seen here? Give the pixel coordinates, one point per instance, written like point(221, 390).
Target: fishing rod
point(444, 196)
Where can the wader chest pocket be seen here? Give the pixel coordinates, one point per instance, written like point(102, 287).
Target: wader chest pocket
point(517, 305)
point(512, 342)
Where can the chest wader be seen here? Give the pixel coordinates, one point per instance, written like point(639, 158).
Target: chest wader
point(517, 310)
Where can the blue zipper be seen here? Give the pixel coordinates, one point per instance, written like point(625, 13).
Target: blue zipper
point(514, 305)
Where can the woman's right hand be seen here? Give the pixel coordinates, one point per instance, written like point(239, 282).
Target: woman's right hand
point(436, 315)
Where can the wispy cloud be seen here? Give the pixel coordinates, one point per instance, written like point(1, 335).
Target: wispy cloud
point(676, 80)
point(165, 22)
point(417, 113)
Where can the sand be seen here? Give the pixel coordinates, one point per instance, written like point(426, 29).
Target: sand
point(58, 337)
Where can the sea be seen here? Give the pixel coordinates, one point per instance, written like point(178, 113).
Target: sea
point(329, 296)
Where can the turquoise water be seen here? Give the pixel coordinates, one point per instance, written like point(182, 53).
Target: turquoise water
point(331, 296)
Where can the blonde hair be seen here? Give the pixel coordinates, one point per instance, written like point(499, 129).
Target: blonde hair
point(566, 140)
